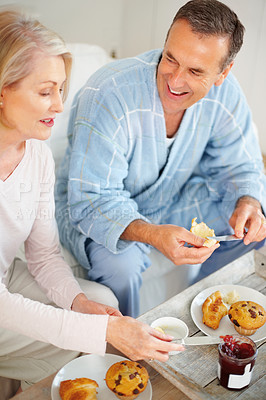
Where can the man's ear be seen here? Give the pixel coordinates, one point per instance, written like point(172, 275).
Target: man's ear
point(224, 74)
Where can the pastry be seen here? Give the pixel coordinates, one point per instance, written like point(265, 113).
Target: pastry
point(247, 317)
point(127, 379)
point(78, 389)
point(203, 231)
point(231, 297)
point(213, 310)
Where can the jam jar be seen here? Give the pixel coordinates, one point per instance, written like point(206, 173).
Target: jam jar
point(237, 355)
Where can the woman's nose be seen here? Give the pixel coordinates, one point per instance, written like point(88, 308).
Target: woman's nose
point(58, 105)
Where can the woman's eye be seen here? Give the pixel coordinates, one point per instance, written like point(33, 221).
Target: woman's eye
point(45, 94)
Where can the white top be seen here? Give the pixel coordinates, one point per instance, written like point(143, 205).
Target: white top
point(27, 215)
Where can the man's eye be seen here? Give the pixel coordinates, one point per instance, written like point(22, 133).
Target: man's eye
point(170, 60)
point(196, 73)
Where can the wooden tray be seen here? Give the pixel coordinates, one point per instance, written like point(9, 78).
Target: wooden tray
point(194, 371)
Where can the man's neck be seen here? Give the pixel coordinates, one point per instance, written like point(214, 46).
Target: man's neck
point(172, 123)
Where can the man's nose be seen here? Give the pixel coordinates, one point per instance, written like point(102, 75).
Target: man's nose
point(178, 77)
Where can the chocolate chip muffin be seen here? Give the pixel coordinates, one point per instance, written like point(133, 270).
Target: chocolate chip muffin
point(247, 317)
point(127, 379)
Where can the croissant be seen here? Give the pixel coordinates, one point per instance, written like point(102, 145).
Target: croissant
point(78, 389)
point(213, 310)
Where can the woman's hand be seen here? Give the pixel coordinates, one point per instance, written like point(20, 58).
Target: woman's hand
point(83, 305)
point(139, 341)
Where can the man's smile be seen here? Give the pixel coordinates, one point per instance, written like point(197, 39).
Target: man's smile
point(176, 93)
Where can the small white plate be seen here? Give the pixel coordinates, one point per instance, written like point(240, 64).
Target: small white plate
point(226, 327)
point(94, 367)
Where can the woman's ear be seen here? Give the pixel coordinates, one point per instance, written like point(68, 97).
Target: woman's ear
point(224, 74)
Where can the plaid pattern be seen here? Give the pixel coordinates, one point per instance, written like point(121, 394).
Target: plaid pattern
point(118, 166)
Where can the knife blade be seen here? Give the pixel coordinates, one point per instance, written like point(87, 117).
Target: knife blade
point(198, 340)
point(225, 238)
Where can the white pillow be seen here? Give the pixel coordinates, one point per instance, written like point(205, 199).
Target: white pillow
point(86, 60)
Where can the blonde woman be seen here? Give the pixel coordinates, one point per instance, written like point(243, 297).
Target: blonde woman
point(46, 317)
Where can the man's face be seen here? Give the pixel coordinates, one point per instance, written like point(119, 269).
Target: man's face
point(190, 65)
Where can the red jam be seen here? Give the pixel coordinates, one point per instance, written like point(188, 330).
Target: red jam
point(237, 356)
point(233, 348)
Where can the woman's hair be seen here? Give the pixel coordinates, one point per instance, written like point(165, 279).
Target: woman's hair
point(21, 38)
point(211, 17)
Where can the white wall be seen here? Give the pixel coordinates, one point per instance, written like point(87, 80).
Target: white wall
point(132, 26)
point(87, 21)
point(146, 24)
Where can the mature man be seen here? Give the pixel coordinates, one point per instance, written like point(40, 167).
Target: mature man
point(154, 141)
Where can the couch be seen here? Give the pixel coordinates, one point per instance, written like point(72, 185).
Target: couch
point(163, 279)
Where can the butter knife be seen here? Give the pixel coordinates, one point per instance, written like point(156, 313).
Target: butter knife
point(198, 340)
point(225, 238)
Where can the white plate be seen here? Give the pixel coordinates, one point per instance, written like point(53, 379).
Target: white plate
point(226, 326)
point(94, 367)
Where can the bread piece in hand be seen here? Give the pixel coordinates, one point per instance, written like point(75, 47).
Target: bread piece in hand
point(213, 310)
point(203, 231)
point(78, 389)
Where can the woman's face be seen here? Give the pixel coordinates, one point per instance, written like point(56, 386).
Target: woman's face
point(30, 106)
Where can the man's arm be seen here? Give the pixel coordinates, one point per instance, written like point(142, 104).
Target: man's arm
point(169, 240)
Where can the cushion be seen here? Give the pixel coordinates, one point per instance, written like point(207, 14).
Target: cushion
point(86, 60)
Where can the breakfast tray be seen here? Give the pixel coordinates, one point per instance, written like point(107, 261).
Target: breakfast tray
point(194, 371)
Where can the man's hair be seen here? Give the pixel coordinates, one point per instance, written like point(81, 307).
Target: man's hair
point(211, 17)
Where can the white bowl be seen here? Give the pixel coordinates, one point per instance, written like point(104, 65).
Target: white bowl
point(172, 326)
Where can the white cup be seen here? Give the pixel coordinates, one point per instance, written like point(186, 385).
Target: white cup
point(172, 326)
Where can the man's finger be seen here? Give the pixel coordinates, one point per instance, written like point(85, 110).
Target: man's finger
point(193, 239)
point(256, 230)
point(240, 224)
point(193, 255)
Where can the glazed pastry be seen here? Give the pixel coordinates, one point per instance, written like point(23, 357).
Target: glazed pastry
point(247, 317)
point(213, 310)
point(203, 231)
point(78, 389)
point(127, 379)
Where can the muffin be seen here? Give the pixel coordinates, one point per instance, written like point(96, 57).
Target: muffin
point(247, 317)
point(78, 389)
point(127, 379)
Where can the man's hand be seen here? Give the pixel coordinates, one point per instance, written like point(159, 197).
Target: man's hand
point(139, 341)
point(83, 305)
point(170, 240)
point(248, 214)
